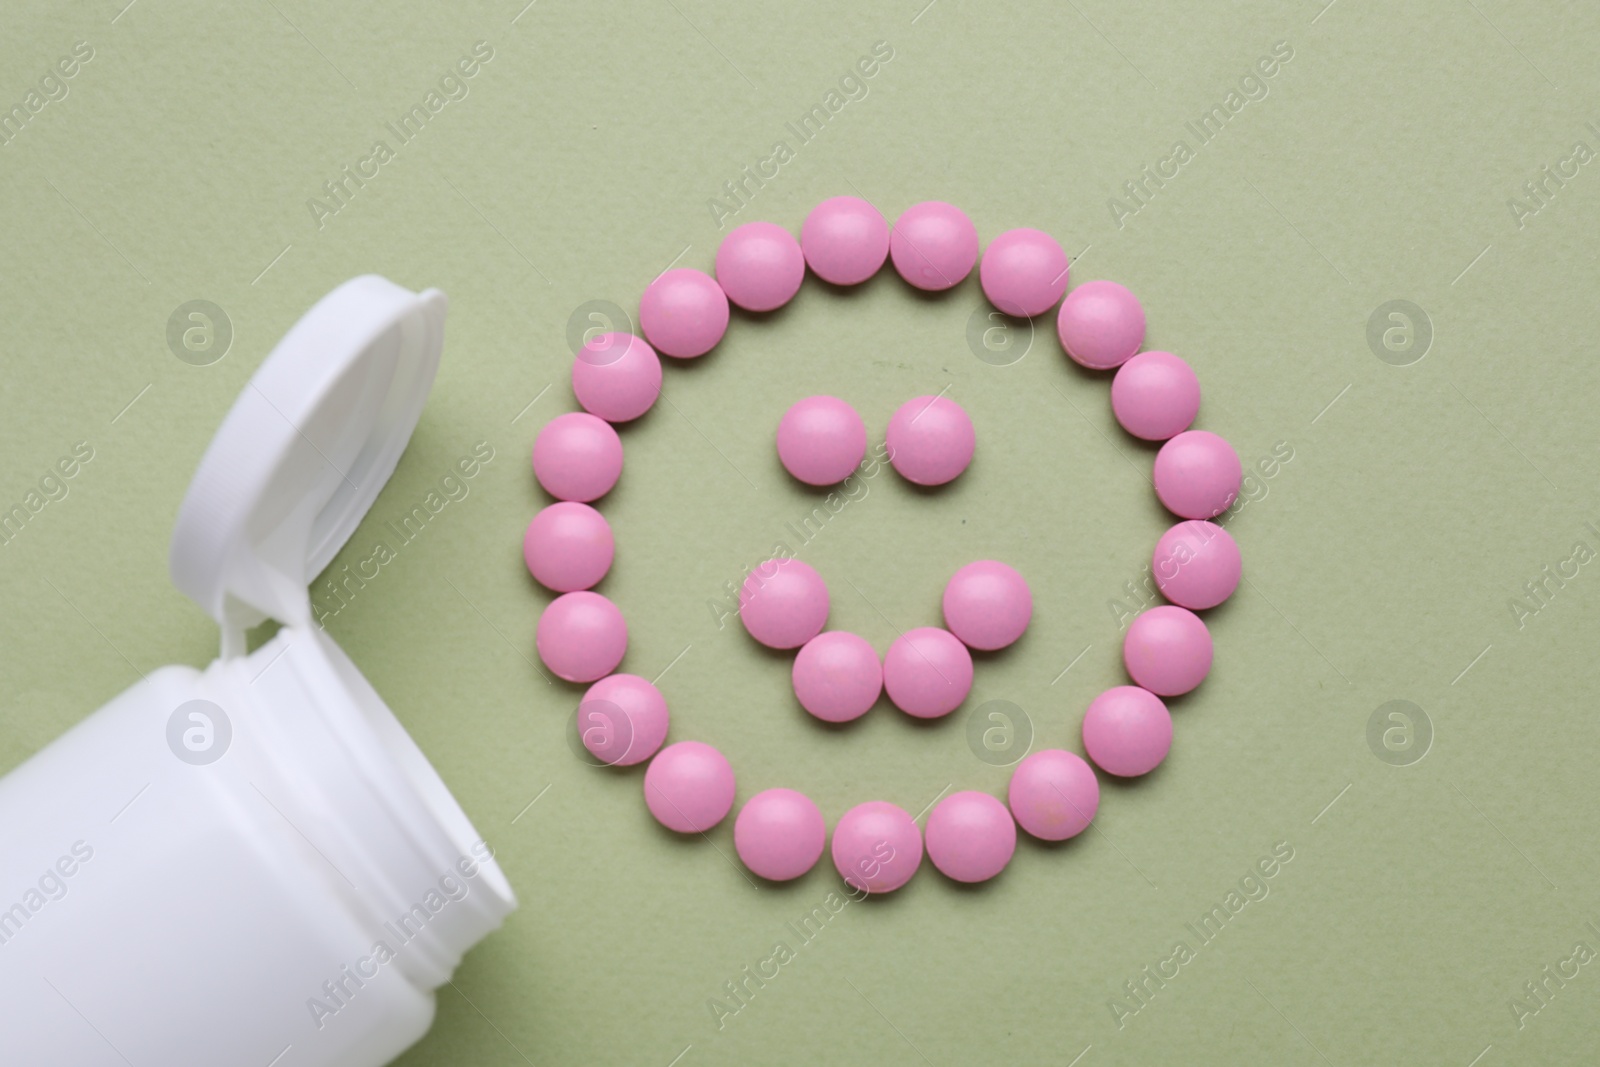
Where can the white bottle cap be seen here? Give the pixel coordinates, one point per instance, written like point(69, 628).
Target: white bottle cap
point(304, 451)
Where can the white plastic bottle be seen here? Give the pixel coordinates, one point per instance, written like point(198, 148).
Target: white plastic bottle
point(252, 864)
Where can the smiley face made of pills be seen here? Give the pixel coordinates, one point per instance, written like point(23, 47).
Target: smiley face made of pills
point(780, 834)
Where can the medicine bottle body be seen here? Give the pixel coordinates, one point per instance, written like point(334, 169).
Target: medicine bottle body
point(249, 864)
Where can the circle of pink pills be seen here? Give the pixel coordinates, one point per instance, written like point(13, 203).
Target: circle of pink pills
point(987, 605)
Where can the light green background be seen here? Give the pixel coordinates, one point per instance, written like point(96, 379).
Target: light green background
point(1380, 561)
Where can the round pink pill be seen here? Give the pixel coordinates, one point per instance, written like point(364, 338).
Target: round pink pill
point(780, 834)
point(1127, 731)
point(927, 672)
point(845, 240)
point(821, 440)
point(876, 847)
point(1197, 475)
point(930, 440)
point(933, 245)
point(987, 604)
point(568, 546)
point(684, 313)
point(837, 676)
point(581, 636)
point(617, 377)
point(760, 266)
point(1053, 794)
point(1155, 395)
point(1196, 565)
point(689, 787)
point(971, 836)
point(1024, 272)
point(1101, 325)
point(1167, 650)
point(784, 603)
point(622, 720)
point(577, 456)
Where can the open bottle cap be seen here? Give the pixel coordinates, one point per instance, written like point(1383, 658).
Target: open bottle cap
point(304, 452)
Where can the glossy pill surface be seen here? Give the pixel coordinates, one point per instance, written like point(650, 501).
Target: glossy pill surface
point(970, 836)
point(780, 834)
point(837, 676)
point(1053, 794)
point(1196, 565)
point(933, 245)
point(845, 240)
point(876, 847)
point(1155, 395)
point(821, 440)
point(1024, 272)
point(1101, 325)
point(689, 787)
point(622, 719)
point(760, 266)
point(581, 636)
point(1167, 650)
point(683, 313)
point(1127, 731)
point(1197, 475)
point(987, 605)
point(783, 603)
point(930, 440)
point(577, 456)
point(927, 672)
point(617, 377)
point(568, 546)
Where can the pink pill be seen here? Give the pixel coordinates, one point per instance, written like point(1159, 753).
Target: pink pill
point(930, 440)
point(1167, 650)
point(1101, 325)
point(581, 636)
point(933, 245)
point(987, 604)
point(684, 313)
point(821, 440)
point(927, 672)
point(1155, 395)
point(1024, 272)
point(1196, 565)
point(779, 834)
point(1053, 794)
point(971, 836)
point(1197, 475)
point(876, 847)
point(784, 603)
point(622, 719)
point(760, 266)
point(1127, 731)
point(845, 240)
point(577, 456)
point(837, 676)
point(568, 546)
point(689, 787)
point(617, 377)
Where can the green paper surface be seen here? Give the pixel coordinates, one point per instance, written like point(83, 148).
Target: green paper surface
point(1424, 470)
